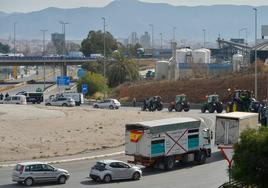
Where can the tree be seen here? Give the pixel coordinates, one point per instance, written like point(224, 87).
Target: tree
point(96, 66)
point(121, 69)
point(4, 48)
point(133, 50)
point(95, 82)
point(94, 43)
point(251, 158)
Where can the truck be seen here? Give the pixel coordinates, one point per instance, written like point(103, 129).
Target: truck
point(77, 97)
point(230, 125)
point(162, 143)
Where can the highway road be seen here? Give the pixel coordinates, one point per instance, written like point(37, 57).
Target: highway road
point(210, 175)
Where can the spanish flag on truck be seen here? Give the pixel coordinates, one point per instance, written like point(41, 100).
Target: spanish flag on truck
point(135, 136)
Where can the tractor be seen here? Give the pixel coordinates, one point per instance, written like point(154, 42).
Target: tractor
point(213, 104)
point(180, 103)
point(241, 100)
point(152, 104)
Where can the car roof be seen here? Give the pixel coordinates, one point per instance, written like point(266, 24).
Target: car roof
point(109, 161)
point(31, 163)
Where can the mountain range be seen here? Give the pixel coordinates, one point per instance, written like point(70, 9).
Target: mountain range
point(126, 16)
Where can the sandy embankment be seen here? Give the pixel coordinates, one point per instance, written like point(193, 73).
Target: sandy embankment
point(32, 132)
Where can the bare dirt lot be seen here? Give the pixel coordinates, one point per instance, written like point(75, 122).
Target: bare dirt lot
point(32, 132)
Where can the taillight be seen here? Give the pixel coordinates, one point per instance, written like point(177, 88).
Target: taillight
point(21, 169)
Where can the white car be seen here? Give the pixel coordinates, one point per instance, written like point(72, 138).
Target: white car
point(60, 101)
point(108, 170)
point(107, 103)
point(29, 173)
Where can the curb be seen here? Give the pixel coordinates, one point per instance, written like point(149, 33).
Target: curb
point(72, 159)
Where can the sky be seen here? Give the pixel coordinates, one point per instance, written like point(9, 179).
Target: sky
point(34, 5)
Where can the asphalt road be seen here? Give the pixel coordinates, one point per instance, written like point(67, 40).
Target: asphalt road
point(210, 175)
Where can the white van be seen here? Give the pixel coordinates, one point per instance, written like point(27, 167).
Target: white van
point(16, 99)
point(77, 97)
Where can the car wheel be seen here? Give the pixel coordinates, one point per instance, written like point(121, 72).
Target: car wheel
point(48, 104)
point(136, 176)
point(111, 107)
point(107, 178)
point(95, 106)
point(169, 163)
point(62, 179)
point(29, 182)
point(64, 104)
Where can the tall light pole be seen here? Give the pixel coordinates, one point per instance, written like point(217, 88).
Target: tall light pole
point(44, 39)
point(256, 76)
point(152, 26)
point(204, 37)
point(63, 46)
point(161, 41)
point(104, 45)
point(174, 34)
point(14, 30)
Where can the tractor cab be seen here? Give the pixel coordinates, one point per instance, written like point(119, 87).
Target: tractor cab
point(213, 98)
point(181, 98)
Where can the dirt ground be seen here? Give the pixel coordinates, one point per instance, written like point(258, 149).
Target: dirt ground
point(195, 89)
point(32, 132)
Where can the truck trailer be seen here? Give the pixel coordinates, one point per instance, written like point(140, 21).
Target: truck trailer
point(162, 143)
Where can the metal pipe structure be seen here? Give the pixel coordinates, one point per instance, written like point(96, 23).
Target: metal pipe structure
point(256, 74)
point(104, 45)
point(44, 39)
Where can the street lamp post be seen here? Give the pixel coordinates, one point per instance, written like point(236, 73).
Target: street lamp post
point(256, 75)
point(44, 39)
point(104, 45)
point(14, 29)
point(204, 37)
point(174, 34)
point(63, 46)
point(152, 26)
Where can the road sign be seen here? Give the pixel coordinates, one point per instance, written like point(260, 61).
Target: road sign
point(228, 153)
point(63, 80)
point(84, 88)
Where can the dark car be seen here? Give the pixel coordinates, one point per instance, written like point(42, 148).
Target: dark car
point(33, 97)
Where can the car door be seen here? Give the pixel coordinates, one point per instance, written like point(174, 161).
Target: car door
point(117, 171)
point(125, 170)
point(49, 173)
point(35, 171)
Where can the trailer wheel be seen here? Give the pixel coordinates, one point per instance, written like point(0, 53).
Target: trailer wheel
point(200, 157)
point(169, 163)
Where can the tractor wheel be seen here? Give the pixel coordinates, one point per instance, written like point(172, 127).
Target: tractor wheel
point(170, 108)
point(211, 109)
point(179, 107)
point(219, 108)
point(203, 109)
point(186, 109)
point(160, 106)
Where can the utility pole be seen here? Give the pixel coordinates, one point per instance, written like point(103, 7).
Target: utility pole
point(104, 46)
point(44, 39)
point(63, 46)
point(14, 30)
point(152, 26)
point(256, 74)
point(204, 35)
point(174, 34)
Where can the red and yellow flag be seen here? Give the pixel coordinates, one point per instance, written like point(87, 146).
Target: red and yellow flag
point(135, 136)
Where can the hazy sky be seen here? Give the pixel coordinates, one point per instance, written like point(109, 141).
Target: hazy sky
point(32, 5)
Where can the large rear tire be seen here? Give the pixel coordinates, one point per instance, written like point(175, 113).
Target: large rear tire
point(203, 109)
point(187, 108)
point(219, 108)
point(169, 163)
point(179, 107)
point(211, 109)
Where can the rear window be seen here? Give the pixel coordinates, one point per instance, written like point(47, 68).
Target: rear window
point(99, 166)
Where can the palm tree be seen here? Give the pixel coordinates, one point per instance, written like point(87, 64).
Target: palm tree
point(121, 69)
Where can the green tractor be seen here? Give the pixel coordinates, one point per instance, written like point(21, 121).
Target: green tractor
point(180, 103)
point(213, 104)
point(240, 101)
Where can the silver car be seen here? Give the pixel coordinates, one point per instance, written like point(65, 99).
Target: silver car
point(29, 173)
point(108, 170)
point(60, 101)
point(107, 103)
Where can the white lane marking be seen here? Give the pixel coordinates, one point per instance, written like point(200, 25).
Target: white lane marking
point(72, 159)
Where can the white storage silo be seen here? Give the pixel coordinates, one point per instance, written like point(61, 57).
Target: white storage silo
point(237, 62)
point(181, 55)
point(202, 56)
point(161, 70)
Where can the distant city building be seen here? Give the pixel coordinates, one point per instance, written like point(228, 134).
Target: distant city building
point(145, 40)
point(133, 38)
point(57, 40)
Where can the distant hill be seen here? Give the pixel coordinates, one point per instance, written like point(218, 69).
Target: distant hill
point(125, 16)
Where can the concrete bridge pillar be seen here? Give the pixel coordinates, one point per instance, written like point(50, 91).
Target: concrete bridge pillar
point(64, 69)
